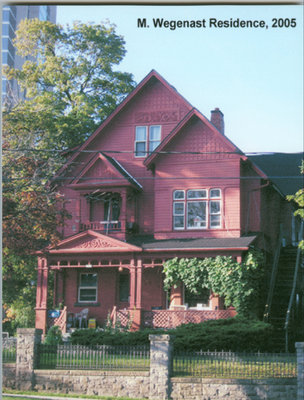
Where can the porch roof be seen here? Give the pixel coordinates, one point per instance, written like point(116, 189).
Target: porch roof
point(150, 244)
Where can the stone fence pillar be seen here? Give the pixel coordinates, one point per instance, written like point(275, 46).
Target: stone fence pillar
point(161, 349)
point(300, 363)
point(27, 354)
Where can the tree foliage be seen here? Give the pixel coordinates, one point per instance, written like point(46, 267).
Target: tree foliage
point(298, 198)
point(70, 83)
point(237, 282)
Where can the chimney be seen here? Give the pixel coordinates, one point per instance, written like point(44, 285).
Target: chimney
point(217, 119)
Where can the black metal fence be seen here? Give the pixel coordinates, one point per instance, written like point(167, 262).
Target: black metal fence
point(94, 357)
point(235, 365)
point(9, 350)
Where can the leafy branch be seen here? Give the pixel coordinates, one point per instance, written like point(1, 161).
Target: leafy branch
point(237, 282)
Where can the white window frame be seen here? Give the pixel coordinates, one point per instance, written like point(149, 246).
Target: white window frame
point(147, 140)
point(207, 199)
point(141, 141)
point(217, 199)
point(80, 287)
point(154, 140)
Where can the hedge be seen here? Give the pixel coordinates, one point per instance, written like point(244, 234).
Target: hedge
point(235, 334)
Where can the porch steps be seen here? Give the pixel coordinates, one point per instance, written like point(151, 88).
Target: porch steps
point(281, 296)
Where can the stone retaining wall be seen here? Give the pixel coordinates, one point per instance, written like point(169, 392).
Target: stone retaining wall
point(99, 383)
point(9, 375)
point(156, 384)
point(232, 389)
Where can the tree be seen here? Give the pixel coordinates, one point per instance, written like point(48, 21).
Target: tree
point(298, 198)
point(70, 87)
point(70, 84)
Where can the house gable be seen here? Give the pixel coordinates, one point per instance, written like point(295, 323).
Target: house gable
point(92, 242)
point(102, 170)
point(195, 134)
point(153, 101)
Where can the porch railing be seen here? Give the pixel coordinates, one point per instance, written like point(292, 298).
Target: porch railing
point(103, 226)
point(172, 318)
point(60, 321)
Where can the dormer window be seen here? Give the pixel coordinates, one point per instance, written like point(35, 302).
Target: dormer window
point(147, 138)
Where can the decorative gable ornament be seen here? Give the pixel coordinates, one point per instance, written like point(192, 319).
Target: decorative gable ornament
point(90, 241)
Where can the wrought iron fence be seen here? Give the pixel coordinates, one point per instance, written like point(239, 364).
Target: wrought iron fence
point(9, 350)
point(94, 357)
point(235, 365)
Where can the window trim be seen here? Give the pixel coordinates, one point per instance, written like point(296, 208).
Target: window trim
point(87, 287)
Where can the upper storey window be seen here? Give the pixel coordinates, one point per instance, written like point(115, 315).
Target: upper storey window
point(147, 138)
point(197, 209)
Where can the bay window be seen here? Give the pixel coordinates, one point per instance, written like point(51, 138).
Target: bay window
point(147, 138)
point(196, 209)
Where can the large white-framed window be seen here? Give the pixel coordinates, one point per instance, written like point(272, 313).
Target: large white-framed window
point(199, 301)
point(197, 209)
point(87, 289)
point(147, 138)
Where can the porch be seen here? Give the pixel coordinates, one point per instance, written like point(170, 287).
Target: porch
point(155, 319)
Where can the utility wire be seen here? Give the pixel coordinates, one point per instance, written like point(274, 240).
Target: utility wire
point(106, 180)
point(148, 153)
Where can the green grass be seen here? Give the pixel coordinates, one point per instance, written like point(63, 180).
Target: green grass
point(92, 359)
point(242, 369)
point(50, 394)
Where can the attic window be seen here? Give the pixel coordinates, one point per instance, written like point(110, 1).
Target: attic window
point(147, 138)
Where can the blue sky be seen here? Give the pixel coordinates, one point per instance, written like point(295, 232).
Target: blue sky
point(255, 76)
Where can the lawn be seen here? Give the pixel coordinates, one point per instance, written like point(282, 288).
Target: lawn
point(50, 395)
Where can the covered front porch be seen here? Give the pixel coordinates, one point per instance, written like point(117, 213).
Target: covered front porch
point(93, 276)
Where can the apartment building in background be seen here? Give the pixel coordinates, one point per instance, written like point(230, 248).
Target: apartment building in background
point(11, 17)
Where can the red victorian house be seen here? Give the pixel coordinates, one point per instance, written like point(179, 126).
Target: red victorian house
point(156, 180)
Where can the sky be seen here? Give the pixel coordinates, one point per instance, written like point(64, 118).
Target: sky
point(254, 75)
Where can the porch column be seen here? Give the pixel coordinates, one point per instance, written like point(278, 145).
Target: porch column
point(123, 214)
point(138, 284)
point(132, 284)
point(55, 289)
point(60, 287)
point(136, 310)
point(41, 296)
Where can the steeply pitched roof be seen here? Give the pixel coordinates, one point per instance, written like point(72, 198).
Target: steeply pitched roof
point(282, 169)
point(152, 76)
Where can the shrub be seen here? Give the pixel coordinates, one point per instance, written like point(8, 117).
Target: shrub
point(235, 334)
point(53, 336)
